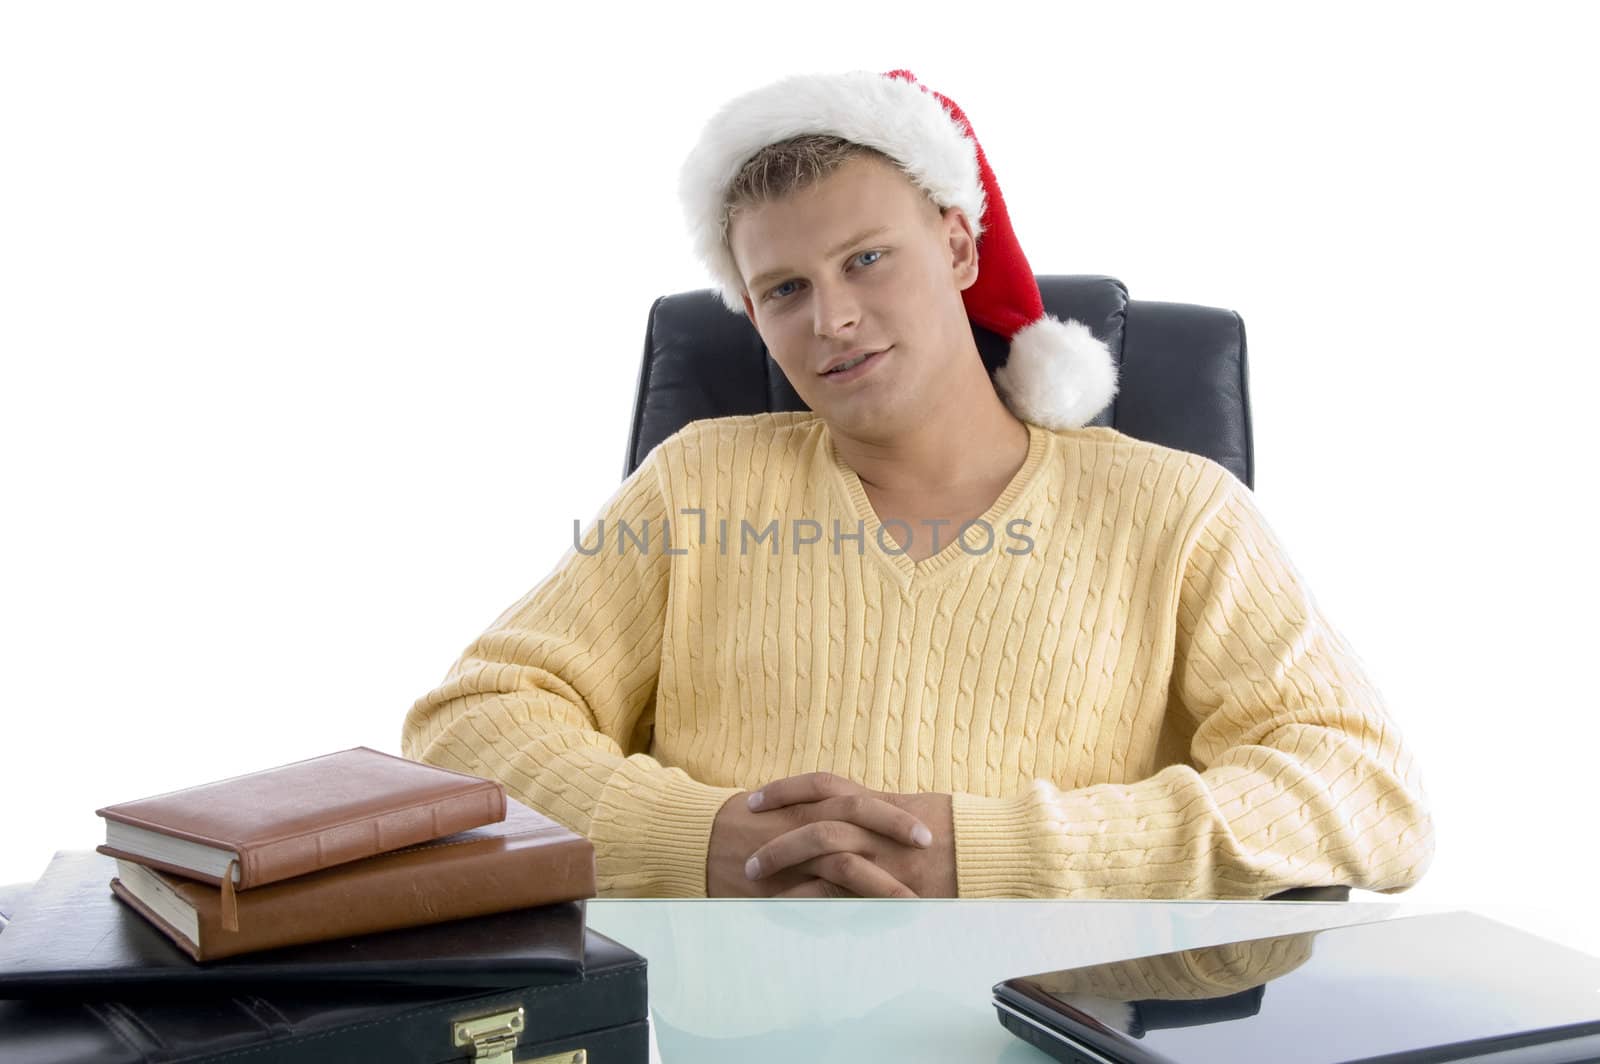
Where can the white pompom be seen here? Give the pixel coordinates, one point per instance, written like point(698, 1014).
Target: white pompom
point(1059, 375)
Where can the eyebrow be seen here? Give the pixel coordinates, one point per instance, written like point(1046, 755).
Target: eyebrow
point(773, 275)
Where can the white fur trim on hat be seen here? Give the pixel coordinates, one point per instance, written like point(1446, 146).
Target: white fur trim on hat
point(898, 118)
point(1058, 375)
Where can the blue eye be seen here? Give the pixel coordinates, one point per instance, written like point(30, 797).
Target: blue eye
point(778, 292)
point(864, 254)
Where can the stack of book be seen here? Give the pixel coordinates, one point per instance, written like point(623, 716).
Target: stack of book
point(348, 844)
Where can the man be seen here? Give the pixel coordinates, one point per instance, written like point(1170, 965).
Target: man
point(999, 653)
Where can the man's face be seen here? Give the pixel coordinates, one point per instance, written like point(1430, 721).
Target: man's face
point(862, 261)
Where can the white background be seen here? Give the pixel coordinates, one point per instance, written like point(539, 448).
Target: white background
point(320, 325)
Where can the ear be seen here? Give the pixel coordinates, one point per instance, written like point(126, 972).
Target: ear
point(749, 308)
point(963, 247)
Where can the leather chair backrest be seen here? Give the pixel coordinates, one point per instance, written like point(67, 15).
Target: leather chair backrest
point(1182, 376)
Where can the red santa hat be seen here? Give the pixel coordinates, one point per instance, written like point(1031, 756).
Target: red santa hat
point(1057, 373)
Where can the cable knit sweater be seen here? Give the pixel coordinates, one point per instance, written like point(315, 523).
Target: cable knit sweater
point(1118, 676)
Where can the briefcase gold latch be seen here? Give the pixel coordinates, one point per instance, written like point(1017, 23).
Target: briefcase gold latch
point(493, 1039)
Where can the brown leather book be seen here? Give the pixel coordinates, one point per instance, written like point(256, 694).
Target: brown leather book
point(524, 861)
point(299, 818)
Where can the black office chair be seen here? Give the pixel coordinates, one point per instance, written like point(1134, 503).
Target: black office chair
point(1182, 380)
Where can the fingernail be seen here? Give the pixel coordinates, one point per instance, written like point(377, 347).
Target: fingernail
point(752, 868)
point(921, 835)
point(754, 802)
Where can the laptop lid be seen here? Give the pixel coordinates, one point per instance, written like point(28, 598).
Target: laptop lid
point(1444, 987)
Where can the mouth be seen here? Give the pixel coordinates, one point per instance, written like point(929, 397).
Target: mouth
point(855, 366)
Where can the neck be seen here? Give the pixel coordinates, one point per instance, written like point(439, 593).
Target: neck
point(972, 445)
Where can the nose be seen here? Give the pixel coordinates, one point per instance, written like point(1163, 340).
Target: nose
point(834, 309)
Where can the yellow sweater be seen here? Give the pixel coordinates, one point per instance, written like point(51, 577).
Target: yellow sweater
point(1123, 683)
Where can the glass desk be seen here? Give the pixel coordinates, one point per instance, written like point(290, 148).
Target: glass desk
point(759, 982)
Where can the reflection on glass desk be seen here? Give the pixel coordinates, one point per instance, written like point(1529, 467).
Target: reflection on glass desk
point(1435, 986)
point(767, 981)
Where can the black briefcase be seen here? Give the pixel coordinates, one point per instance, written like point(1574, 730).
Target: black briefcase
point(588, 1013)
point(598, 1018)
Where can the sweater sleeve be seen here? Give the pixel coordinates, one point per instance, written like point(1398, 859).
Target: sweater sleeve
point(1298, 776)
point(556, 701)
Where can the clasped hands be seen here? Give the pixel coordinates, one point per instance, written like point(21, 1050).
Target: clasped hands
point(819, 835)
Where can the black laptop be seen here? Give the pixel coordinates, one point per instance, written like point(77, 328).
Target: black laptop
point(1445, 987)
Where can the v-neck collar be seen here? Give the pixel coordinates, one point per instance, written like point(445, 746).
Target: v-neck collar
point(952, 553)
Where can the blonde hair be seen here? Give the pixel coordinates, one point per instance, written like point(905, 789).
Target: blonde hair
point(787, 166)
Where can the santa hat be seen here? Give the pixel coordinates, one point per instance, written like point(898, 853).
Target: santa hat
point(1057, 374)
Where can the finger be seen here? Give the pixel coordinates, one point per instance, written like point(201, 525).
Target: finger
point(808, 842)
point(867, 810)
point(807, 787)
point(816, 796)
point(857, 875)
